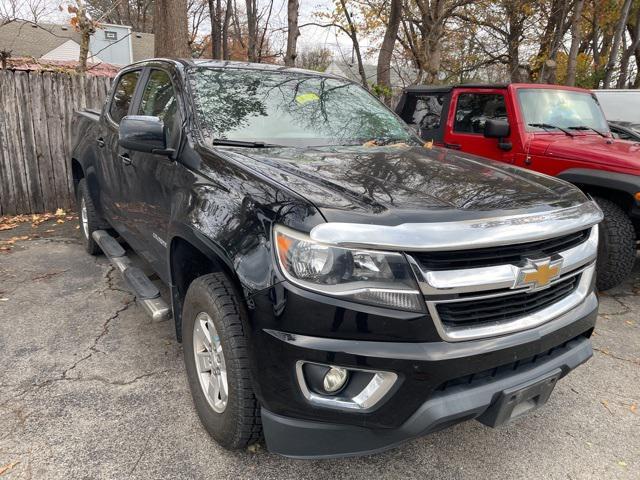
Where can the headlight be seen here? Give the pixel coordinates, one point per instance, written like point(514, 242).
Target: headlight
point(367, 276)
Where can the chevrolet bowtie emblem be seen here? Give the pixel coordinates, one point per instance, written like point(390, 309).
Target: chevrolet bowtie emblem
point(539, 273)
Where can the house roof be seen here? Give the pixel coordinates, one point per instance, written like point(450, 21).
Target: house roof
point(25, 39)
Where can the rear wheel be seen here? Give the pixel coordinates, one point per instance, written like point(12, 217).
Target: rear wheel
point(617, 248)
point(217, 363)
point(87, 217)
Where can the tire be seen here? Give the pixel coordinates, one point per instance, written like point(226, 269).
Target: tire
point(88, 218)
point(213, 298)
point(617, 247)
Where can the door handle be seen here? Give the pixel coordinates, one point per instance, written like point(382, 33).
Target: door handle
point(100, 142)
point(125, 158)
point(455, 146)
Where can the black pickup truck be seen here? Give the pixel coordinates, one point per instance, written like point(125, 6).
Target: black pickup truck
point(338, 286)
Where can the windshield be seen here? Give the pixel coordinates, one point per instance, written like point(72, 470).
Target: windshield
point(620, 106)
point(290, 109)
point(560, 108)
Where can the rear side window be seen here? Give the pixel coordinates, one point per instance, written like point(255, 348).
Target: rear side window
point(428, 111)
point(123, 94)
point(474, 109)
point(159, 100)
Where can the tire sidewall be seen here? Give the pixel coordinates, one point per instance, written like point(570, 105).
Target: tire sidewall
point(221, 426)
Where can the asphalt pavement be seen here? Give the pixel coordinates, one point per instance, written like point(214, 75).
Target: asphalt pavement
point(91, 388)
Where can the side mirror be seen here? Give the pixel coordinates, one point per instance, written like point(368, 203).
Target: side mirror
point(143, 134)
point(496, 129)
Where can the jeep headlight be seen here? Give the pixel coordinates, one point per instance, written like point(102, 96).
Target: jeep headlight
point(366, 276)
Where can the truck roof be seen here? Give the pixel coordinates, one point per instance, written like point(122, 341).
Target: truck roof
point(448, 88)
point(268, 67)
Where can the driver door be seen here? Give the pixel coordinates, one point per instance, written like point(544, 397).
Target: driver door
point(469, 111)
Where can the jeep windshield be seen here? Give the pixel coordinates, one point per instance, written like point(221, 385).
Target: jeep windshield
point(545, 110)
point(291, 109)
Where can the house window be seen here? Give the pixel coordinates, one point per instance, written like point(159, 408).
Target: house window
point(110, 35)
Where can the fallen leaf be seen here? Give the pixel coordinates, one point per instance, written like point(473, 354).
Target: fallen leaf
point(60, 220)
point(7, 467)
point(60, 213)
point(605, 404)
point(428, 145)
point(4, 299)
point(633, 407)
point(49, 231)
point(622, 463)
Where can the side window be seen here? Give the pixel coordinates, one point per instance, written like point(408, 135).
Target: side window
point(474, 109)
point(428, 111)
point(159, 100)
point(122, 97)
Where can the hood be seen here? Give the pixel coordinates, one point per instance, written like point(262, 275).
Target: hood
point(592, 148)
point(391, 185)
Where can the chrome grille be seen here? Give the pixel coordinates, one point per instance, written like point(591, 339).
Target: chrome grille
point(504, 308)
point(507, 254)
point(490, 300)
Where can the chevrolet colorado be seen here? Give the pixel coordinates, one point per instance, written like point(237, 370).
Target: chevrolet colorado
point(552, 129)
point(338, 287)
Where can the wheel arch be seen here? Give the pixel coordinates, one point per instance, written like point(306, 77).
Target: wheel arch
point(620, 188)
point(191, 255)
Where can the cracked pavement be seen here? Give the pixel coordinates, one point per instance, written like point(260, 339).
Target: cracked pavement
point(91, 388)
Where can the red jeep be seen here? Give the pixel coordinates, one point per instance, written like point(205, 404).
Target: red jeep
point(560, 131)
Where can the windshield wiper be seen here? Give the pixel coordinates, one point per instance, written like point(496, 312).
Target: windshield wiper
point(549, 126)
point(242, 143)
point(584, 127)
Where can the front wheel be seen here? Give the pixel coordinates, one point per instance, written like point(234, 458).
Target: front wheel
point(617, 248)
point(217, 364)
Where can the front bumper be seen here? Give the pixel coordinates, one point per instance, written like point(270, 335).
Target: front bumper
point(439, 383)
point(309, 439)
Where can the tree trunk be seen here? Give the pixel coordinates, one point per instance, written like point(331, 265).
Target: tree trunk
point(572, 61)
point(225, 30)
point(171, 29)
point(383, 72)
point(634, 34)
point(292, 33)
point(252, 27)
point(215, 13)
point(615, 46)
point(356, 45)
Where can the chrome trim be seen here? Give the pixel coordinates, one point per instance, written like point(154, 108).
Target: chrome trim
point(443, 282)
point(460, 235)
point(457, 334)
point(367, 399)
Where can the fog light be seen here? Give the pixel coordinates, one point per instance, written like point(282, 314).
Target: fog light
point(335, 379)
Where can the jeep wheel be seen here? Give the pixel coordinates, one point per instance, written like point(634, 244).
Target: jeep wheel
point(216, 359)
point(617, 248)
point(87, 218)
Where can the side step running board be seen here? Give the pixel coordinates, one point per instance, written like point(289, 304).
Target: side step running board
point(147, 294)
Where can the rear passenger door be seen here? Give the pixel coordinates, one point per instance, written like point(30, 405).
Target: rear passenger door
point(469, 111)
point(153, 177)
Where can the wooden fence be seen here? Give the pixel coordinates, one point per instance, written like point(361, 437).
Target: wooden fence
point(36, 109)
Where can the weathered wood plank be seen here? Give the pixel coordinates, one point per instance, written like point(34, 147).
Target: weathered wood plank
point(7, 195)
point(14, 143)
point(29, 154)
point(54, 122)
point(42, 142)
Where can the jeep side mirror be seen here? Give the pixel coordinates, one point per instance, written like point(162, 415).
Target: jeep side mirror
point(143, 134)
point(498, 129)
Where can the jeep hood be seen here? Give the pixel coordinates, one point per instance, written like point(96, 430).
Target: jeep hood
point(592, 148)
point(391, 185)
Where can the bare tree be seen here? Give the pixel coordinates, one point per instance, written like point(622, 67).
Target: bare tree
point(634, 35)
point(576, 33)
point(293, 32)
point(171, 28)
point(383, 72)
point(615, 46)
point(252, 27)
point(215, 13)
